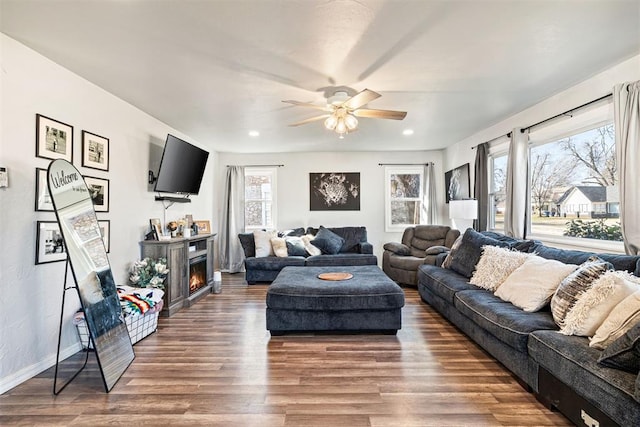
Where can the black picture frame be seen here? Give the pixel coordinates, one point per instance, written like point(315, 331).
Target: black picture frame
point(43, 201)
point(105, 230)
point(95, 151)
point(334, 191)
point(54, 139)
point(50, 246)
point(457, 183)
point(99, 192)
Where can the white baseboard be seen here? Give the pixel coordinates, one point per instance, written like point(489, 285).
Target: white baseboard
point(17, 378)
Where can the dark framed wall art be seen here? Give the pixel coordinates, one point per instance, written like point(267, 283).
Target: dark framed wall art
point(457, 184)
point(95, 151)
point(43, 198)
point(99, 192)
point(334, 191)
point(49, 243)
point(54, 139)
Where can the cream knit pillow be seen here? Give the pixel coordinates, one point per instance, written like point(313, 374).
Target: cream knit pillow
point(495, 265)
point(263, 243)
point(622, 318)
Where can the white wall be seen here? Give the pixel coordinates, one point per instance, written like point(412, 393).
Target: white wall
point(293, 187)
point(30, 295)
point(586, 91)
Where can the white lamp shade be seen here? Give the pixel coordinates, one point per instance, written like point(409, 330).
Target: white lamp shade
point(463, 209)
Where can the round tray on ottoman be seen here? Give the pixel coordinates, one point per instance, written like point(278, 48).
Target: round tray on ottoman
point(335, 276)
point(299, 301)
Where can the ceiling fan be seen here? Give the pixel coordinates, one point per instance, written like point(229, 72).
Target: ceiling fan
point(341, 111)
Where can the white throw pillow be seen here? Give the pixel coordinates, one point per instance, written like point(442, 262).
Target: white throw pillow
point(263, 243)
point(495, 265)
point(313, 250)
point(279, 246)
point(622, 318)
point(594, 305)
point(532, 285)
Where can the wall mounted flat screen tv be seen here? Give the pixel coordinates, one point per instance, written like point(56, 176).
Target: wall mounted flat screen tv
point(181, 168)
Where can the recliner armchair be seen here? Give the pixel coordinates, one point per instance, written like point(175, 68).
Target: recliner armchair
point(422, 244)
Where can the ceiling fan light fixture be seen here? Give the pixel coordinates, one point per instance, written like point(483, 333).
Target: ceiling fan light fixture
point(351, 122)
point(341, 127)
point(331, 122)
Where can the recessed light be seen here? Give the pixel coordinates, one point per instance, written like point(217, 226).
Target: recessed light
point(254, 133)
point(407, 132)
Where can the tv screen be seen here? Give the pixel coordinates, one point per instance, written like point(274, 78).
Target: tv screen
point(181, 168)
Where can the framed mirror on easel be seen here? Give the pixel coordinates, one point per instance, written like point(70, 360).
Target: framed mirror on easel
point(87, 257)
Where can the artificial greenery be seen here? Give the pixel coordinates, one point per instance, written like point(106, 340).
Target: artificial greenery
point(596, 229)
point(149, 273)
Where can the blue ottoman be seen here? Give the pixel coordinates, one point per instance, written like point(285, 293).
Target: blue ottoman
point(298, 301)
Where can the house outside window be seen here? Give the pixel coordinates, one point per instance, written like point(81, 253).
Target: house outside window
point(260, 198)
point(404, 189)
point(498, 190)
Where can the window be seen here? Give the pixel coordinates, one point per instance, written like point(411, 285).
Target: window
point(403, 200)
point(260, 198)
point(573, 186)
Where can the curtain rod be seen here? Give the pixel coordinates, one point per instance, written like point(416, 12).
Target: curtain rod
point(568, 112)
point(405, 164)
point(257, 166)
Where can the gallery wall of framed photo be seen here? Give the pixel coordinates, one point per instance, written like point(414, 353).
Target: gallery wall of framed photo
point(55, 140)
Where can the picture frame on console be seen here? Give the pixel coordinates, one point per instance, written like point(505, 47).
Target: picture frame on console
point(204, 226)
point(54, 139)
point(156, 227)
point(49, 243)
point(95, 151)
point(99, 192)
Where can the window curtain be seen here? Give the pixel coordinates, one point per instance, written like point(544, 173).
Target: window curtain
point(626, 108)
point(231, 253)
point(516, 213)
point(481, 187)
point(429, 196)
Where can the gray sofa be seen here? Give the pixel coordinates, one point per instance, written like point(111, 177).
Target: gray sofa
point(354, 251)
point(422, 244)
point(562, 370)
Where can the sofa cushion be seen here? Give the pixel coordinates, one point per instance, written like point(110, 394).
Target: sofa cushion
point(465, 258)
point(327, 241)
point(630, 263)
point(595, 304)
point(532, 285)
point(311, 249)
point(446, 263)
point(262, 241)
point(352, 236)
point(295, 232)
point(295, 246)
point(495, 265)
point(435, 250)
point(341, 260)
point(574, 285)
point(248, 244)
point(405, 262)
point(279, 247)
point(503, 320)
point(272, 263)
point(442, 282)
point(624, 353)
point(570, 360)
point(397, 248)
point(618, 322)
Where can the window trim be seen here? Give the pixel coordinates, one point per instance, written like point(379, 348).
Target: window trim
point(273, 172)
point(395, 170)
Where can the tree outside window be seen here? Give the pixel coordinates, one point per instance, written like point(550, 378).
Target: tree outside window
point(259, 211)
point(404, 192)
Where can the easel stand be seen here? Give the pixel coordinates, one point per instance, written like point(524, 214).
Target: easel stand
point(64, 293)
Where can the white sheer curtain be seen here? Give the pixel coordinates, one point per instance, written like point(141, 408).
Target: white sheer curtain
point(626, 107)
point(231, 253)
point(429, 196)
point(516, 212)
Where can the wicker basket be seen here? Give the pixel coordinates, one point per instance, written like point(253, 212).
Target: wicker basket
point(139, 327)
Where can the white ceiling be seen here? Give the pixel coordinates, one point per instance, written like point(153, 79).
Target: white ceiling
point(215, 70)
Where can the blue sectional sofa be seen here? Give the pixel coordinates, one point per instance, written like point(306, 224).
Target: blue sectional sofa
point(562, 370)
point(354, 251)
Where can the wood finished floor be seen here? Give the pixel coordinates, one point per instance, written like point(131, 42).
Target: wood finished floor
point(214, 364)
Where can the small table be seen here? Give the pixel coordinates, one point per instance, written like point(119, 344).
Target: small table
point(299, 301)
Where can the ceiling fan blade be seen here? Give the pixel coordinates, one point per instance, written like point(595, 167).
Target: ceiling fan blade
point(380, 114)
point(308, 104)
point(312, 119)
point(360, 99)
